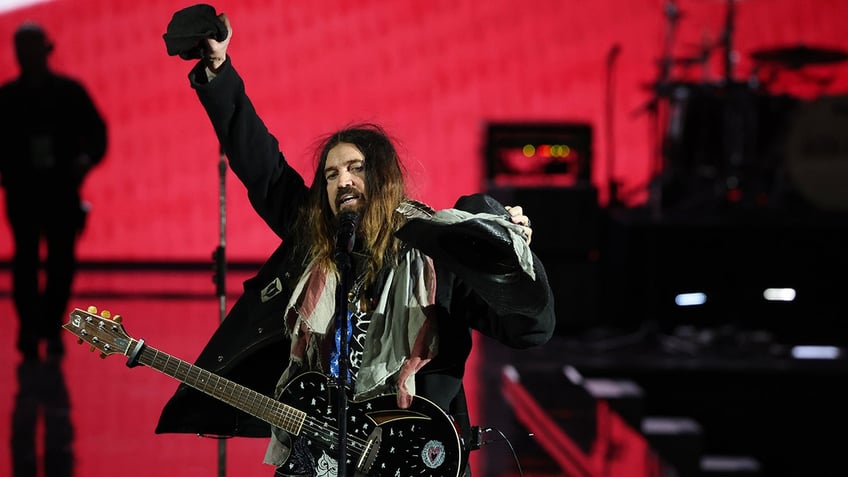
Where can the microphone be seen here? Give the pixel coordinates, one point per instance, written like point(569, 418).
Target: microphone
point(348, 220)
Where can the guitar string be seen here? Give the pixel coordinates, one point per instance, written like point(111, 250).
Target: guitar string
point(170, 366)
point(358, 444)
point(172, 369)
point(149, 356)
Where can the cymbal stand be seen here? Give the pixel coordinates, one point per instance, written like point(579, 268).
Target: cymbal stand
point(727, 41)
point(672, 15)
point(739, 127)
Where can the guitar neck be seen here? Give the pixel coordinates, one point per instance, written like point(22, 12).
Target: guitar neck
point(232, 393)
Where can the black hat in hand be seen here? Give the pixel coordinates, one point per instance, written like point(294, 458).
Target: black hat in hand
point(188, 29)
point(481, 253)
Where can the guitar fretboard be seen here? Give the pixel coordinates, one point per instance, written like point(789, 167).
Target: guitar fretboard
point(230, 392)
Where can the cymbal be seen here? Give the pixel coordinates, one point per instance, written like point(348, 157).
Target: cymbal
point(798, 56)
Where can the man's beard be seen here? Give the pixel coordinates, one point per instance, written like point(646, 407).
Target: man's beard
point(358, 207)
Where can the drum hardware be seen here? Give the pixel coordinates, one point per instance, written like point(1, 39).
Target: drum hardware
point(799, 56)
point(673, 101)
point(730, 56)
point(723, 143)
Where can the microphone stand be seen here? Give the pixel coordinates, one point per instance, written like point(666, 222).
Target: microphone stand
point(220, 274)
point(343, 262)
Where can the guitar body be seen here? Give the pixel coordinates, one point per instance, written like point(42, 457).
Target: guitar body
point(419, 441)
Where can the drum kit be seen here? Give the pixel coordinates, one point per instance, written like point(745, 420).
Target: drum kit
point(732, 143)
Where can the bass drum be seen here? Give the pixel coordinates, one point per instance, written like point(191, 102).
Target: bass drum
point(816, 153)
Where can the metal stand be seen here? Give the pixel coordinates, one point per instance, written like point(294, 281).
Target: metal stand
point(662, 89)
point(613, 185)
point(344, 247)
point(220, 276)
point(344, 325)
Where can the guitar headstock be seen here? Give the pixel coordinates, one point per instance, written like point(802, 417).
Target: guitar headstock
point(103, 331)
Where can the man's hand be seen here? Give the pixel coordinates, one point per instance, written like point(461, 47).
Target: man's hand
point(215, 52)
point(516, 214)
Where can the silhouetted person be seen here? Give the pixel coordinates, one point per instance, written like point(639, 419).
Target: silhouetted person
point(51, 136)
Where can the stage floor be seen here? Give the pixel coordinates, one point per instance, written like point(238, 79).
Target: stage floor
point(88, 416)
point(101, 415)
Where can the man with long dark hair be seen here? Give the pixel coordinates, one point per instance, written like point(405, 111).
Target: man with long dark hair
point(419, 282)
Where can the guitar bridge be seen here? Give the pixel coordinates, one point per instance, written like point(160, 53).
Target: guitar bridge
point(372, 448)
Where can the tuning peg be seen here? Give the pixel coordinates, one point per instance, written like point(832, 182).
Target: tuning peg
point(92, 309)
point(102, 355)
point(79, 341)
point(92, 349)
point(106, 314)
point(117, 318)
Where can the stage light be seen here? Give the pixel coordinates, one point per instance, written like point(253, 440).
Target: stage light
point(9, 5)
point(815, 352)
point(690, 299)
point(779, 294)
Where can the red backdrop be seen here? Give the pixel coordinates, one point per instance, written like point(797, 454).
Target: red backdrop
point(433, 72)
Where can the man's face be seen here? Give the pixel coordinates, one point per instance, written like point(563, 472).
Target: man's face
point(345, 176)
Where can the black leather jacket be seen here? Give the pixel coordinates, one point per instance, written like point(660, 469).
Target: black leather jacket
point(250, 346)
